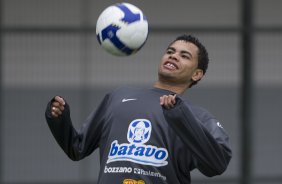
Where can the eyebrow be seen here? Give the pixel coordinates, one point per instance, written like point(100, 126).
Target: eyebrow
point(182, 51)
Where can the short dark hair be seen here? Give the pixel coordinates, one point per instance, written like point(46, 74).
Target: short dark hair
point(203, 57)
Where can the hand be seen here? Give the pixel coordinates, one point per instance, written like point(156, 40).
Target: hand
point(57, 106)
point(168, 101)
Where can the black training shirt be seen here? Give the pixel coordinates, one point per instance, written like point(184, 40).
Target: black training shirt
point(141, 142)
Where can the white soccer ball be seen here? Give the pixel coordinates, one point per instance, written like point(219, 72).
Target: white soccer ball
point(122, 29)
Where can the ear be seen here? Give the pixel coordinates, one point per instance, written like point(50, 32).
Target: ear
point(197, 75)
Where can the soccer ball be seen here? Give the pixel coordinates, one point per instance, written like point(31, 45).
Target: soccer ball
point(122, 29)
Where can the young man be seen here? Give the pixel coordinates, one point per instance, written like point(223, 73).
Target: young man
point(150, 136)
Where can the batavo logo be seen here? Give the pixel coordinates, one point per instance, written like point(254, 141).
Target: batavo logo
point(131, 181)
point(139, 132)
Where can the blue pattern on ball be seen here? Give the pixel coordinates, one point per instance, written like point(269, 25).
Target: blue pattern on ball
point(110, 31)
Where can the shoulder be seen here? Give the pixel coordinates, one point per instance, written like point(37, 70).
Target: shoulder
point(204, 116)
point(209, 122)
point(200, 112)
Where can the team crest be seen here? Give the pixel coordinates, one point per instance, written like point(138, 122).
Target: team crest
point(139, 133)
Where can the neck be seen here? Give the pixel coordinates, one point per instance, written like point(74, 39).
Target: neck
point(178, 89)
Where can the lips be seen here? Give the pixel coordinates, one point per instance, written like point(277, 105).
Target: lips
point(170, 65)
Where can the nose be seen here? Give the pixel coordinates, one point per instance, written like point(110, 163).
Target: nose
point(174, 56)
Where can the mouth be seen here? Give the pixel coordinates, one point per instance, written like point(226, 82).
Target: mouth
point(170, 65)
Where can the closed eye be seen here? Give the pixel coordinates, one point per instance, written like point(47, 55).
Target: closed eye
point(170, 51)
point(185, 56)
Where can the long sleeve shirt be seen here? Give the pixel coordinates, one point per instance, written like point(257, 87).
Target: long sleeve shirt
point(140, 141)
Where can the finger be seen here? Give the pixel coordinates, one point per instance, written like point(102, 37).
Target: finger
point(162, 100)
point(56, 110)
point(59, 100)
point(54, 114)
point(170, 102)
point(167, 102)
point(58, 105)
point(55, 104)
point(173, 100)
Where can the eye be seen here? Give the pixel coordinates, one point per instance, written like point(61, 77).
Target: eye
point(185, 56)
point(169, 51)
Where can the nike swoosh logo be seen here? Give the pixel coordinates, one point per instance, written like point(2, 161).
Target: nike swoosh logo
point(219, 125)
point(128, 99)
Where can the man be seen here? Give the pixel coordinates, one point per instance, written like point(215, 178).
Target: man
point(150, 136)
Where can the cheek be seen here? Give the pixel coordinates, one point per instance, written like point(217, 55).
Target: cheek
point(187, 67)
point(188, 71)
point(164, 58)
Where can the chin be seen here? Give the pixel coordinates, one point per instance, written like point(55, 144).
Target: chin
point(164, 76)
point(167, 73)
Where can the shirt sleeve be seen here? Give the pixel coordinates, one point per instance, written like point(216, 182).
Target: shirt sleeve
point(77, 144)
point(207, 141)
